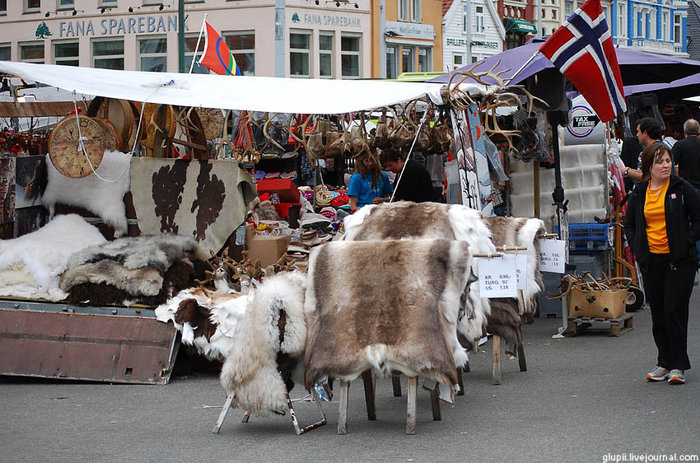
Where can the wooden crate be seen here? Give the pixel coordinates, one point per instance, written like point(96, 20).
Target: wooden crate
point(614, 326)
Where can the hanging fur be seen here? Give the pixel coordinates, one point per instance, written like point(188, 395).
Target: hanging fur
point(31, 265)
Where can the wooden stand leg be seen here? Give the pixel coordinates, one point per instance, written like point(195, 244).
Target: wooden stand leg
point(411, 405)
point(521, 357)
point(396, 384)
point(496, 374)
point(343, 407)
point(368, 379)
point(222, 415)
point(435, 403)
point(460, 381)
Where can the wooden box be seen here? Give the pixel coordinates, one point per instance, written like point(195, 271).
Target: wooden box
point(597, 304)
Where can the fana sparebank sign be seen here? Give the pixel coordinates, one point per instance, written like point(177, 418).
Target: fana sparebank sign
point(118, 26)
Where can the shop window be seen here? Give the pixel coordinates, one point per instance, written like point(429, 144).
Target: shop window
point(5, 52)
point(425, 59)
point(153, 53)
point(300, 54)
point(32, 6)
point(32, 52)
point(392, 62)
point(65, 4)
point(242, 45)
point(408, 63)
point(190, 43)
point(65, 53)
point(108, 54)
point(325, 54)
point(350, 55)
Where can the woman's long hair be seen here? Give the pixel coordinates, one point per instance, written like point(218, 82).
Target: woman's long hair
point(372, 172)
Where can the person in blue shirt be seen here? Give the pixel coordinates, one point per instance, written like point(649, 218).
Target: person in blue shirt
point(368, 185)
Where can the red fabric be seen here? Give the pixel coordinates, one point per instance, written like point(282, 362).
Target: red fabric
point(340, 200)
point(582, 49)
point(217, 57)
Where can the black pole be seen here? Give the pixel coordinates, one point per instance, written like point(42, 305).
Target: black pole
point(555, 119)
point(181, 36)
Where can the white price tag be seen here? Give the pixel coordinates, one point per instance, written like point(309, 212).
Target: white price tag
point(521, 270)
point(497, 277)
point(552, 256)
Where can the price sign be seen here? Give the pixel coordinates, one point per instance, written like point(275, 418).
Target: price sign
point(552, 256)
point(497, 277)
point(521, 270)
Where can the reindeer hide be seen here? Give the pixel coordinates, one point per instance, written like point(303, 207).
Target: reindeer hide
point(31, 265)
point(407, 220)
point(145, 269)
point(272, 328)
point(103, 198)
point(389, 305)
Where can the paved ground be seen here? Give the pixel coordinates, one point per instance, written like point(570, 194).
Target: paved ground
point(583, 399)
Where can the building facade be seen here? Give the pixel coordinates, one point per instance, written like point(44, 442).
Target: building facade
point(487, 32)
point(649, 25)
point(407, 37)
point(312, 38)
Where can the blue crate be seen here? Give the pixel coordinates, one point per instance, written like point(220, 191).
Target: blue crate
point(589, 236)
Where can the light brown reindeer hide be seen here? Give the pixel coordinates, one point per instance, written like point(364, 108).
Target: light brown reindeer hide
point(389, 305)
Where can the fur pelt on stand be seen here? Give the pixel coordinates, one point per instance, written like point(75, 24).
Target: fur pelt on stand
point(268, 339)
point(144, 269)
point(31, 265)
point(385, 305)
point(405, 220)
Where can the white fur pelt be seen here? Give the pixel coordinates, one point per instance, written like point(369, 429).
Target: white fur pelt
point(225, 311)
point(103, 198)
point(31, 265)
point(250, 370)
point(409, 221)
point(133, 264)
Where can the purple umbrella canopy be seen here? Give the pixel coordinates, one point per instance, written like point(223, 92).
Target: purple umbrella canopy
point(636, 67)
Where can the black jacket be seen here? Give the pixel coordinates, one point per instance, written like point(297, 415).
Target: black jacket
point(682, 210)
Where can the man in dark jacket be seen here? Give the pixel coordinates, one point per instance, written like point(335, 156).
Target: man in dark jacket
point(686, 153)
point(415, 184)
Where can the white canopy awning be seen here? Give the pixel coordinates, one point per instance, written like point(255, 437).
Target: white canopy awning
point(267, 94)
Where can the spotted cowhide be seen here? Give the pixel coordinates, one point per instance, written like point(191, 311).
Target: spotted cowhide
point(206, 200)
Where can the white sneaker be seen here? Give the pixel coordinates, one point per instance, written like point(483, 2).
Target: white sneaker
point(676, 377)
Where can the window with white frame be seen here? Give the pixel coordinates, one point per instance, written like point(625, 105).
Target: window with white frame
point(392, 61)
point(300, 53)
point(65, 4)
point(66, 53)
point(415, 11)
point(190, 44)
point(108, 3)
point(653, 33)
point(153, 54)
point(242, 45)
point(325, 54)
point(403, 10)
point(152, 2)
point(621, 19)
point(32, 52)
point(409, 59)
point(479, 19)
point(3, 6)
point(665, 26)
point(108, 54)
point(350, 55)
point(457, 61)
point(5, 52)
point(677, 28)
point(425, 59)
point(32, 6)
point(568, 8)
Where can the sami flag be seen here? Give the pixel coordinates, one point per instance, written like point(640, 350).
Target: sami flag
point(582, 50)
point(217, 57)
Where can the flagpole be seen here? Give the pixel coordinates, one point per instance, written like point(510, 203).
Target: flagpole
point(199, 38)
point(509, 79)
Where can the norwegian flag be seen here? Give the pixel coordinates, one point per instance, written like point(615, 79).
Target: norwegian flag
point(582, 49)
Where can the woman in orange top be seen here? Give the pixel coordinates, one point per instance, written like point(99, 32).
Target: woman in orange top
point(662, 224)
